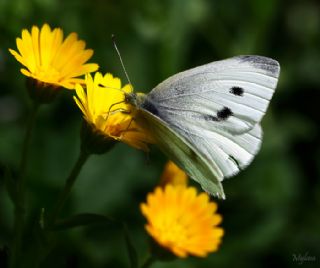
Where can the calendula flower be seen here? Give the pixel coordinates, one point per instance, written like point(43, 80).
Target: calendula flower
point(103, 107)
point(172, 174)
point(182, 221)
point(52, 60)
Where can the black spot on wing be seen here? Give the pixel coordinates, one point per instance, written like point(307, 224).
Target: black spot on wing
point(258, 59)
point(224, 113)
point(150, 107)
point(264, 63)
point(237, 91)
point(235, 161)
point(209, 117)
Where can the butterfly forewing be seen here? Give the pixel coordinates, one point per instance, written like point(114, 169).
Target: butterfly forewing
point(232, 94)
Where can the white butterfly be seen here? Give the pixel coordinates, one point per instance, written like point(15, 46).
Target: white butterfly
point(207, 119)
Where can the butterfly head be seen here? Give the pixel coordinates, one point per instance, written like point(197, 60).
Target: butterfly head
point(130, 98)
point(134, 99)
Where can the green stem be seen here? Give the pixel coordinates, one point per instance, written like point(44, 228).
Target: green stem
point(19, 202)
point(148, 261)
point(26, 146)
point(83, 157)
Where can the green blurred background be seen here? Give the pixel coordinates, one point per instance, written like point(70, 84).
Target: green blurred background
point(272, 208)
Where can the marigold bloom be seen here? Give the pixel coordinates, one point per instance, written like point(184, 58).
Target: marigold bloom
point(172, 174)
point(103, 106)
point(51, 60)
point(183, 222)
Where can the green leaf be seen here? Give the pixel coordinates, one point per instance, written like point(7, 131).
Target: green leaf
point(85, 219)
point(78, 220)
point(133, 256)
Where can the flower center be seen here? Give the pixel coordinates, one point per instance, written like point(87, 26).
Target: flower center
point(172, 230)
point(47, 74)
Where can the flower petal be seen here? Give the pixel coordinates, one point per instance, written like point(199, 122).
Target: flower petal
point(181, 221)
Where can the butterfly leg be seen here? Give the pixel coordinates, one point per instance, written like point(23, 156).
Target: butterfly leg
point(116, 110)
point(120, 110)
point(127, 128)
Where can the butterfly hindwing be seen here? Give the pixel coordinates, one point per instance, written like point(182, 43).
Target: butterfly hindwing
point(230, 153)
point(184, 154)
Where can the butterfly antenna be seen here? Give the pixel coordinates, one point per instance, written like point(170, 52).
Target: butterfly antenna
point(121, 61)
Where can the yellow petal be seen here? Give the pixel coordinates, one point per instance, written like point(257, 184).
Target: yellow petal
point(182, 233)
point(35, 45)
point(50, 59)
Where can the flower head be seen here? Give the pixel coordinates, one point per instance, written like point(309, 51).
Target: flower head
point(182, 221)
point(172, 174)
point(50, 59)
point(103, 107)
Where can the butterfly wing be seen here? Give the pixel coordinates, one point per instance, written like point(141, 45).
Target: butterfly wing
point(214, 111)
point(179, 150)
point(230, 95)
point(230, 153)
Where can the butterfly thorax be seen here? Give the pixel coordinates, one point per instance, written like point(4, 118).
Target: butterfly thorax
point(139, 104)
point(141, 101)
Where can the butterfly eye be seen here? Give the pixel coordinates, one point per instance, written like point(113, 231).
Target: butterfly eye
point(237, 91)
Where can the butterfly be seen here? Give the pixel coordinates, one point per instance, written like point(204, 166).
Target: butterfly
point(207, 119)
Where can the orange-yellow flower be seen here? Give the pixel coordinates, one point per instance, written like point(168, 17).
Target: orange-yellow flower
point(172, 174)
point(50, 59)
point(103, 107)
point(182, 221)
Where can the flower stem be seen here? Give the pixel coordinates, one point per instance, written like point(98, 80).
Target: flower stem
point(148, 261)
point(19, 202)
point(83, 157)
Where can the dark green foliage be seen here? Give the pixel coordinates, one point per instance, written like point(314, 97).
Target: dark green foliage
point(271, 214)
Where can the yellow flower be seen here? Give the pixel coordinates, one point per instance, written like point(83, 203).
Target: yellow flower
point(51, 60)
point(103, 107)
point(172, 174)
point(183, 222)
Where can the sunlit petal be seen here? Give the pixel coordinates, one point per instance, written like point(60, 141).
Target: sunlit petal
point(103, 107)
point(181, 221)
point(51, 60)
